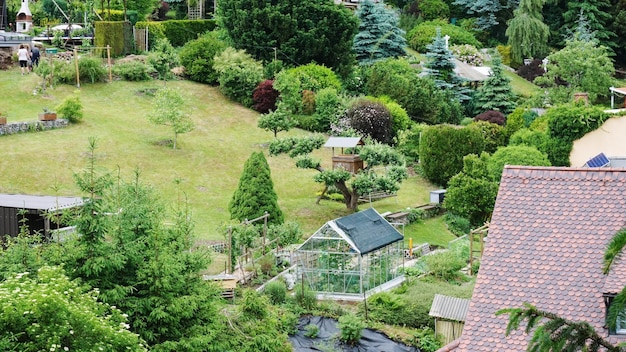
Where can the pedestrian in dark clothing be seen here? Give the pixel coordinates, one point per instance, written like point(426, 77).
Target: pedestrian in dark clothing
point(34, 56)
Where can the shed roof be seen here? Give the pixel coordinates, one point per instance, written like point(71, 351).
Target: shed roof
point(368, 230)
point(343, 142)
point(31, 202)
point(547, 236)
point(451, 308)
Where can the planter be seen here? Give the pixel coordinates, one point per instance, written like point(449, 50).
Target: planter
point(47, 116)
point(3, 120)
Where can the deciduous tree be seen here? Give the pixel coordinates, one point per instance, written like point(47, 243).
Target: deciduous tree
point(169, 111)
point(527, 33)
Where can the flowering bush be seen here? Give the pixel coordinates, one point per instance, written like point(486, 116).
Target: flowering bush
point(467, 53)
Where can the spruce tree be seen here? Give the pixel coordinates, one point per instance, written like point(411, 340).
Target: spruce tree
point(496, 92)
point(379, 36)
point(595, 15)
point(255, 193)
point(528, 34)
point(440, 66)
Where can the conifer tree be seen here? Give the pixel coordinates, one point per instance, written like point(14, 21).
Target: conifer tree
point(255, 193)
point(594, 14)
point(440, 66)
point(528, 35)
point(379, 36)
point(496, 92)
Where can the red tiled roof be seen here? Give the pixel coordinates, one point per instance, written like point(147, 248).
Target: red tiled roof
point(546, 243)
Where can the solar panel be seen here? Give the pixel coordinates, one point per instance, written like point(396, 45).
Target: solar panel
point(599, 160)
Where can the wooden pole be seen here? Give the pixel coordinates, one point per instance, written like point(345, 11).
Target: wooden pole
point(76, 65)
point(109, 62)
point(230, 250)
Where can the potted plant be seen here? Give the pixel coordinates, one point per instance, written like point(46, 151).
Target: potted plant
point(47, 115)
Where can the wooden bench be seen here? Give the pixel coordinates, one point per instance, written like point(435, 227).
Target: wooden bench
point(374, 196)
point(398, 217)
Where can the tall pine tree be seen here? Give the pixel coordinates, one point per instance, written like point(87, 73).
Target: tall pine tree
point(528, 35)
point(496, 92)
point(255, 194)
point(379, 36)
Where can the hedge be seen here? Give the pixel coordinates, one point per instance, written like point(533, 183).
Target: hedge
point(424, 33)
point(442, 148)
point(178, 32)
point(117, 34)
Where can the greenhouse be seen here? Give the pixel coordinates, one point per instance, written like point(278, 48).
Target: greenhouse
point(353, 256)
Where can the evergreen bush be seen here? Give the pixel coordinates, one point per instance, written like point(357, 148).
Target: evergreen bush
point(276, 291)
point(116, 34)
point(493, 134)
point(422, 35)
point(197, 57)
point(71, 109)
point(442, 148)
point(178, 32)
point(133, 71)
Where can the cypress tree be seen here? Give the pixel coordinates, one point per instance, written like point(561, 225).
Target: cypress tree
point(379, 36)
point(255, 193)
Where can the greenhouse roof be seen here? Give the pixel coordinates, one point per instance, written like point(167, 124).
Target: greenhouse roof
point(368, 230)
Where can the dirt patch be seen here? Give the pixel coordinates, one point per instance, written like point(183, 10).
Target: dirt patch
point(6, 59)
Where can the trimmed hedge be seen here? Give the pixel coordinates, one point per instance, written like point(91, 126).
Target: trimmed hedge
point(117, 34)
point(424, 33)
point(178, 32)
point(442, 148)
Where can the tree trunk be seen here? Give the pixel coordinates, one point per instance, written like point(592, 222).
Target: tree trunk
point(350, 197)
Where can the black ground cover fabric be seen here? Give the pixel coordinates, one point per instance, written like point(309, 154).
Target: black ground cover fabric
point(327, 339)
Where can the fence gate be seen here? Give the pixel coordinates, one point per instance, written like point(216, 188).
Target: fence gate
point(141, 38)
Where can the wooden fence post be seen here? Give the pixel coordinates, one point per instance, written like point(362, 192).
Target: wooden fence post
point(109, 62)
point(76, 65)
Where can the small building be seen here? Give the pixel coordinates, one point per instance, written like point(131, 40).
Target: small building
point(449, 313)
point(352, 257)
point(350, 162)
point(24, 18)
point(38, 211)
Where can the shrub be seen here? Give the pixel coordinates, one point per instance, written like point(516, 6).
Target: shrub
point(197, 58)
point(329, 106)
point(308, 102)
point(531, 71)
point(264, 97)
point(514, 122)
point(276, 291)
point(408, 141)
point(457, 224)
point(372, 119)
point(444, 265)
point(530, 138)
point(442, 149)
point(515, 155)
point(572, 121)
point(493, 135)
point(505, 53)
point(306, 298)
point(400, 120)
point(426, 340)
point(492, 116)
point(267, 264)
point(287, 233)
point(71, 109)
point(433, 9)
point(311, 331)
point(117, 34)
point(351, 328)
point(254, 305)
point(90, 69)
point(133, 71)
point(238, 81)
point(422, 35)
point(392, 309)
point(468, 54)
point(178, 32)
point(293, 82)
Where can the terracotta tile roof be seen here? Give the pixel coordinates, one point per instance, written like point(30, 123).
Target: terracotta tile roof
point(545, 246)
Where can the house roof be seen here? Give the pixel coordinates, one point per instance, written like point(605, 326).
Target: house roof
point(31, 202)
point(450, 308)
point(546, 242)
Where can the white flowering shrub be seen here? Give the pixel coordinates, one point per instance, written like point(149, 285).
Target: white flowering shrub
point(468, 54)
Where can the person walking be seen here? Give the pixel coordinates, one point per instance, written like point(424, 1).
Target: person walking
point(34, 57)
point(23, 56)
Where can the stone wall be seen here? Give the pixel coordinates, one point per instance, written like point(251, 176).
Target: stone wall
point(31, 126)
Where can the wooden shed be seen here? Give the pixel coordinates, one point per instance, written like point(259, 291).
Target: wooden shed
point(449, 313)
point(36, 210)
point(350, 162)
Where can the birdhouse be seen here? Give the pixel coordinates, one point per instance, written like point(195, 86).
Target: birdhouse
point(350, 162)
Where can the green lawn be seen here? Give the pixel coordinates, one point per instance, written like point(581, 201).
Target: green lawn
point(208, 162)
point(432, 231)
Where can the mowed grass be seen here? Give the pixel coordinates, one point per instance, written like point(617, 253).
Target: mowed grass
point(204, 170)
